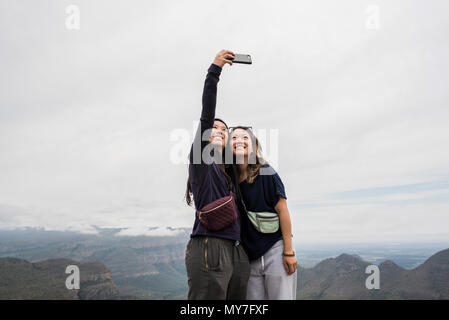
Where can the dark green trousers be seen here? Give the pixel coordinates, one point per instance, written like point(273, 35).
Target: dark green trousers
point(217, 269)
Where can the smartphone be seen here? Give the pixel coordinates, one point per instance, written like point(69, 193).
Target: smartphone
point(242, 58)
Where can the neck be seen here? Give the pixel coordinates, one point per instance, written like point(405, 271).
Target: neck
point(242, 169)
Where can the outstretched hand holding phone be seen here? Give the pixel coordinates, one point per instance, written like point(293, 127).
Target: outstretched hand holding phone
point(223, 57)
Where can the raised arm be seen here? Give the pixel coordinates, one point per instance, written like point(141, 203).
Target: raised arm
point(210, 97)
point(209, 104)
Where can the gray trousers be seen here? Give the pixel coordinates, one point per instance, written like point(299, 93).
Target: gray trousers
point(269, 280)
point(217, 269)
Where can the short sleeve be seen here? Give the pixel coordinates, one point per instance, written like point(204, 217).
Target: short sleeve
point(274, 189)
point(279, 188)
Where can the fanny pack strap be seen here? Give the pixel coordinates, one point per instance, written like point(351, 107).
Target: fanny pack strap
point(231, 193)
point(232, 198)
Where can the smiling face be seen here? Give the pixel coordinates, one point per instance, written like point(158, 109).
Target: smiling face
point(241, 142)
point(219, 135)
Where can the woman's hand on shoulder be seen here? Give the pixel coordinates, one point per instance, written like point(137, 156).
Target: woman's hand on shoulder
point(223, 57)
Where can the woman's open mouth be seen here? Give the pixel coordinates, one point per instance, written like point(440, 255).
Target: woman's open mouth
point(240, 147)
point(218, 138)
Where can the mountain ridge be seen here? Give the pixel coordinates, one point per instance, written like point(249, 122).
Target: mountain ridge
point(344, 277)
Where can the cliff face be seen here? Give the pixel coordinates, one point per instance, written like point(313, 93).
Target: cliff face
point(46, 280)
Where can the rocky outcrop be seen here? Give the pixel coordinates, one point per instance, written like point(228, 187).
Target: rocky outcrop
point(46, 280)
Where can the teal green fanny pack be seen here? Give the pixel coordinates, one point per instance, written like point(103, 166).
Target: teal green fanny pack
point(264, 222)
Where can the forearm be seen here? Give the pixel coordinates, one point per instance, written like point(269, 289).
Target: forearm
point(286, 228)
point(209, 101)
point(210, 97)
point(290, 262)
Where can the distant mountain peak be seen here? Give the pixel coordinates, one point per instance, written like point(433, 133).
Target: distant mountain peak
point(347, 257)
point(389, 264)
point(391, 268)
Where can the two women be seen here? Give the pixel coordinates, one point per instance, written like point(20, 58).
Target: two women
point(218, 267)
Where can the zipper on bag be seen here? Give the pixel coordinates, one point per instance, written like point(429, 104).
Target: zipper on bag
point(267, 219)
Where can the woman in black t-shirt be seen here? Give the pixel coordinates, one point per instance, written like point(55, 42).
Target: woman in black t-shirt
point(265, 225)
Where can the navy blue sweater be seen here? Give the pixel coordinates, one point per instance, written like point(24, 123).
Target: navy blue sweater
point(207, 181)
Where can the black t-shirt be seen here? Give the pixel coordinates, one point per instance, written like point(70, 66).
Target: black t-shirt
point(260, 196)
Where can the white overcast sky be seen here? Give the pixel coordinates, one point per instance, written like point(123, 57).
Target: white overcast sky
point(361, 113)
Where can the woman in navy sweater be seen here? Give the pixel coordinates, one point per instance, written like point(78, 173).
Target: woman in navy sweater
point(217, 265)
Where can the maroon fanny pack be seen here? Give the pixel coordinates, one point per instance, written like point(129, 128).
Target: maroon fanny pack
point(219, 213)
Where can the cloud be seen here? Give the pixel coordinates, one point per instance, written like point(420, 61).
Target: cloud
point(155, 231)
point(86, 116)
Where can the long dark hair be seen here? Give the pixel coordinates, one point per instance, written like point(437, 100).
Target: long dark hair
point(221, 166)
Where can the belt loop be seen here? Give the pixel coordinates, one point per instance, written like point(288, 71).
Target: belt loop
point(237, 243)
point(263, 266)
